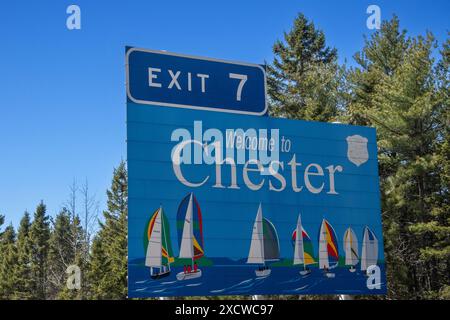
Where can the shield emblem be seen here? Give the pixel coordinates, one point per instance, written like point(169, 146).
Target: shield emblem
point(357, 151)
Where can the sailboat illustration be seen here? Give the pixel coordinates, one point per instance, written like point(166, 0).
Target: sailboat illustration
point(159, 249)
point(303, 249)
point(328, 249)
point(369, 255)
point(264, 246)
point(351, 249)
point(190, 236)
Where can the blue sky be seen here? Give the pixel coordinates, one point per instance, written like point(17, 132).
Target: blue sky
point(62, 109)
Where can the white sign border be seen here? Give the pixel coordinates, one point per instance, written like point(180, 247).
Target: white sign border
point(164, 104)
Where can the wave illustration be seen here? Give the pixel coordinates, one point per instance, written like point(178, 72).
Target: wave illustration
point(244, 286)
point(292, 280)
point(141, 282)
point(301, 288)
point(140, 289)
point(233, 286)
point(193, 284)
point(224, 281)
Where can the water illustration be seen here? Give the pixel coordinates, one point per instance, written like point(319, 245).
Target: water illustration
point(161, 273)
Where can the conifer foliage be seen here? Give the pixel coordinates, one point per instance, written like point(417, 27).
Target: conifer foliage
point(402, 91)
point(303, 80)
point(108, 272)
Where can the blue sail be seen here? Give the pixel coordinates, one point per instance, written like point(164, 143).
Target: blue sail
point(197, 224)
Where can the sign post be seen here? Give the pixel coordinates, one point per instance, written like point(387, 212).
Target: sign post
point(226, 201)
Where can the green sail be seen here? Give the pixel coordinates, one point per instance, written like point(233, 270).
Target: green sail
point(271, 243)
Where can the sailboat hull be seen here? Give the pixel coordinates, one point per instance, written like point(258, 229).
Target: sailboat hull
point(189, 275)
point(305, 272)
point(160, 275)
point(263, 273)
point(329, 275)
point(352, 269)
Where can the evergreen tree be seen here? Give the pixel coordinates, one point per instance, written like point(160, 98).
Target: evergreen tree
point(72, 236)
point(433, 233)
point(305, 80)
point(108, 271)
point(24, 284)
point(99, 271)
point(39, 235)
point(8, 263)
point(382, 54)
point(395, 89)
point(60, 254)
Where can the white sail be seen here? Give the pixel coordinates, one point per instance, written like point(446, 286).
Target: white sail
point(351, 247)
point(164, 242)
point(256, 253)
point(154, 249)
point(323, 251)
point(187, 246)
point(299, 250)
point(369, 255)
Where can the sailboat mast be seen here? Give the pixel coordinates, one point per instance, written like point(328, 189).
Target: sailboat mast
point(191, 208)
point(323, 252)
point(165, 239)
point(262, 237)
point(351, 245)
point(304, 260)
point(303, 243)
point(187, 246)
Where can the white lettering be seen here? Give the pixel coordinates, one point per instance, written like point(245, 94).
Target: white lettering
point(174, 80)
point(278, 176)
point(308, 173)
point(152, 76)
point(243, 79)
point(331, 171)
point(176, 164)
point(203, 77)
point(294, 165)
point(248, 183)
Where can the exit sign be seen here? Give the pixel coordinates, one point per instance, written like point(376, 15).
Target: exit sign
point(173, 80)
